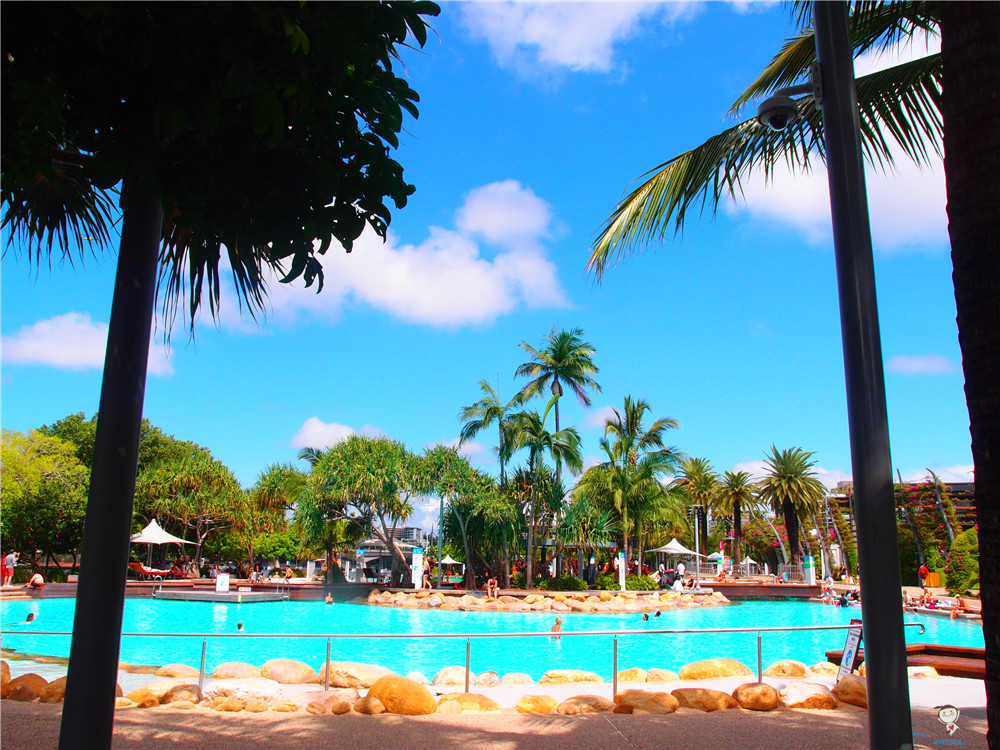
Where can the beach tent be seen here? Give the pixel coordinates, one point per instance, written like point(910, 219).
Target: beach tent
point(154, 534)
point(676, 548)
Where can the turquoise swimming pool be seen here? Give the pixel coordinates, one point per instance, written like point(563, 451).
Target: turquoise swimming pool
point(531, 655)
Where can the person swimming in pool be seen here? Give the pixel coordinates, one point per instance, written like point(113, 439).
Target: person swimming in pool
point(557, 628)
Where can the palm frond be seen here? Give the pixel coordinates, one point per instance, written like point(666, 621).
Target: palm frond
point(899, 106)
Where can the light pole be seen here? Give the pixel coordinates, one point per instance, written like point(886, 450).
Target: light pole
point(440, 538)
point(697, 550)
point(875, 506)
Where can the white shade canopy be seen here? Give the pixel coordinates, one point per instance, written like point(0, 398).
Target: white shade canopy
point(715, 556)
point(449, 561)
point(154, 534)
point(676, 548)
point(748, 561)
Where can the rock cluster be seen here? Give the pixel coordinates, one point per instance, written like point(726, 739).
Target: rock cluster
point(604, 601)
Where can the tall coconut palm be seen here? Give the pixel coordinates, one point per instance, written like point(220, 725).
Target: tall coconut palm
point(489, 410)
point(699, 483)
point(563, 446)
point(792, 489)
point(565, 358)
point(735, 496)
point(940, 103)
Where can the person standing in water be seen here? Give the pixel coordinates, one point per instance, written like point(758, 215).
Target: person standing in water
point(557, 628)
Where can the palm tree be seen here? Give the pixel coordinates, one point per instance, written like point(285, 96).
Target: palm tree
point(941, 103)
point(565, 358)
point(699, 483)
point(735, 496)
point(488, 410)
point(792, 489)
point(629, 481)
point(563, 446)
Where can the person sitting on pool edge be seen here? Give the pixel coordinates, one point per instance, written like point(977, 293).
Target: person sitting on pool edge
point(36, 582)
point(492, 586)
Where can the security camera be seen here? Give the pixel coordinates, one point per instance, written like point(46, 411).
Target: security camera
point(777, 112)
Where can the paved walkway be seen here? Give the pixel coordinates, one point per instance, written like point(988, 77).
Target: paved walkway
point(30, 726)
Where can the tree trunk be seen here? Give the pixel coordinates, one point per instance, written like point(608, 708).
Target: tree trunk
point(781, 545)
point(970, 53)
point(529, 545)
point(88, 711)
point(792, 527)
point(506, 562)
point(470, 573)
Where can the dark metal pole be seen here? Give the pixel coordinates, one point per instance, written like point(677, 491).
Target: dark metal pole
point(89, 708)
point(882, 611)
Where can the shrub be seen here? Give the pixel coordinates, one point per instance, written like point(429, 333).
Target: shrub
point(640, 583)
point(517, 581)
point(563, 583)
point(607, 582)
point(962, 568)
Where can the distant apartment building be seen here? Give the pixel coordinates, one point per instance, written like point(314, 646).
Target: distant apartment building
point(411, 535)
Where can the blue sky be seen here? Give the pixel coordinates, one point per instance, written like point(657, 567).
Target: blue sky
point(534, 120)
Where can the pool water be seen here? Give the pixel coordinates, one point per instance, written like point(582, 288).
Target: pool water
point(428, 655)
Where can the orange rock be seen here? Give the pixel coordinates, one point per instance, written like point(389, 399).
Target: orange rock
point(399, 695)
point(704, 699)
point(756, 696)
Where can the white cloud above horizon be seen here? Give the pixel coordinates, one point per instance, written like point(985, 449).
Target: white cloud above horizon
point(597, 418)
point(921, 364)
point(315, 433)
point(831, 477)
point(758, 469)
point(447, 280)
point(537, 38)
point(74, 341)
point(468, 449)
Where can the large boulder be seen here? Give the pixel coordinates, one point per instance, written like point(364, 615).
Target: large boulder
point(418, 677)
point(661, 675)
point(35, 681)
point(179, 693)
point(516, 678)
point(176, 670)
point(585, 704)
point(23, 692)
point(152, 692)
point(246, 689)
point(804, 694)
point(704, 699)
point(4, 672)
point(235, 670)
point(54, 692)
point(648, 701)
point(289, 672)
point(565, 676)
point(471, 702)
point(635, 674)
point(852, 689)
point(756, 696)
point(536, 704)
point(786, 668)
point(370, 706)
point(350, 674)
point(402, 696)
point(711, 669)
point(487, 679)
point(453, 675)
point(823, 669)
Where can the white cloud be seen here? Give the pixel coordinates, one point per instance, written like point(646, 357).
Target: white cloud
point(953, 474)
point(446, 280)
point(921, 364)
point(534, 37)
point(315, 433)
point(73, 341)
point(598, 417)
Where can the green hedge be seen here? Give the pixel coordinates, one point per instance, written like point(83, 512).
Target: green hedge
point(609, 582)
point(563, 583)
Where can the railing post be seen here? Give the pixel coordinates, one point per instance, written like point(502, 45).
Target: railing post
point(326, 667)
point(201, 669)
point(614, 670)
point(468, 660)
point(760, 673)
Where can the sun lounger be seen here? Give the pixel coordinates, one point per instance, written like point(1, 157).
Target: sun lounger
point(145, 574)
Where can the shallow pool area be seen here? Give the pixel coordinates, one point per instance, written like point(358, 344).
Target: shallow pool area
point(533, 656)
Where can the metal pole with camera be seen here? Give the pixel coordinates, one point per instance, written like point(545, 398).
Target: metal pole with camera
point(875, 507)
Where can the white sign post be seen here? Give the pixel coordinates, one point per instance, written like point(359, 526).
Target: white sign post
point(621, 570)
point(417, 567)
point(222, 583)
point(850, 650)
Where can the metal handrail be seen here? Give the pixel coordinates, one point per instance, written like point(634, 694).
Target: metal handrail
point(469, 636)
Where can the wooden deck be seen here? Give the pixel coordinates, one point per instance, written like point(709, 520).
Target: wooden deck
point(951, 661)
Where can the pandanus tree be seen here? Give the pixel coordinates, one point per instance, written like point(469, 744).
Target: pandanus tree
point(255, 154)
point(791, 488)
point(941, 103)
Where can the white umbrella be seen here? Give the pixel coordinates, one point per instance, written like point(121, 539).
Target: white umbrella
point(449, 561)
point(748, 561)
point(675, 548)
point(153, 534)
point(715, 556)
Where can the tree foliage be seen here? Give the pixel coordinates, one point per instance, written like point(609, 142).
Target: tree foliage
point(94, 92)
